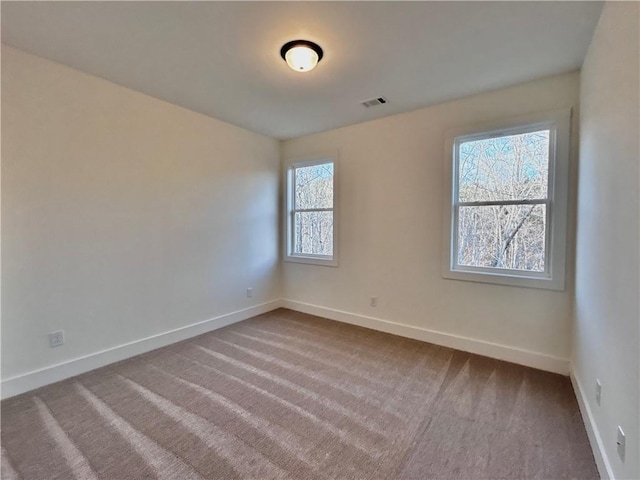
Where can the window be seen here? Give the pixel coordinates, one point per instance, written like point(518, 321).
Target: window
point(507, 202)
point(311, 222)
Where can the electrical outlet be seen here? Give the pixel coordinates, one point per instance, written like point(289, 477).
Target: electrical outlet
point(621, 441)
point(374, 301)
point(249, 292)
point(598, 391)
point(56, 338)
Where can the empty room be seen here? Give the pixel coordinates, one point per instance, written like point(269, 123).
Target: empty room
point(320, 240)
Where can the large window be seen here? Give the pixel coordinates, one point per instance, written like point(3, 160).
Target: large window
point(506, 211)
point(311, 222)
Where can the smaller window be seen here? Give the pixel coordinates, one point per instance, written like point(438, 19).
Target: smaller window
point(311, 222)
point(507, 203)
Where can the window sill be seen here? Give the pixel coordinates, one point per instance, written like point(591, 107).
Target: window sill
point(505, 279)
point(311, 260)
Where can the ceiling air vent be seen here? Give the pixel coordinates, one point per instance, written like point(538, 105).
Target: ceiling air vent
point(373, 102)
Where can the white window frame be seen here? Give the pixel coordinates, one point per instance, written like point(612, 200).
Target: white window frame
point(553, 278)
point(289, 212)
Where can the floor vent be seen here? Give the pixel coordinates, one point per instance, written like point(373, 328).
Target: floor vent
point(373, 102)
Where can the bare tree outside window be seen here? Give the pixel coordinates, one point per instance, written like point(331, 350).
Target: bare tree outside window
point(502, 201)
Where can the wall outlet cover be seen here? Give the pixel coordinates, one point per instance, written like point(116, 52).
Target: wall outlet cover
point(56, 338)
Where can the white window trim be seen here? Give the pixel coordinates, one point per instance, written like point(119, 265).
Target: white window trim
point(559, 121)
point(289, 165)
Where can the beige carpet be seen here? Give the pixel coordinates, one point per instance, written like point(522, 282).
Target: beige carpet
point(288, 395)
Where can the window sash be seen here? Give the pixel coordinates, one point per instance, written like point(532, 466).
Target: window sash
point(506, 132)
point(294, 185)
point(292, 234)
point(546, 273)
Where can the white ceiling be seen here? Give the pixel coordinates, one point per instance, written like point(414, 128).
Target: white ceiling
point(222, 58)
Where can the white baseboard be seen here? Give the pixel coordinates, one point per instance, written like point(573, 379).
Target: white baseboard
point(44, 376)
point(501, 352)
point(602, 461)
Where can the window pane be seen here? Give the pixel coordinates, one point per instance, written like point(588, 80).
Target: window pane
point(313, 233)
point(503, 236)
point(513, 167)
point(314, 186)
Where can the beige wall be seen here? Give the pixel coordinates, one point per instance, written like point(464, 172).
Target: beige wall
point(391, 193)
point(123, 216)
point(606, 335)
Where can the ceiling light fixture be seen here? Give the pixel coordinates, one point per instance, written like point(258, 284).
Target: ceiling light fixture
point(301, 55)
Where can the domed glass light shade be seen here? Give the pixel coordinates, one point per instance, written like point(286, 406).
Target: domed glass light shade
point(301, 55)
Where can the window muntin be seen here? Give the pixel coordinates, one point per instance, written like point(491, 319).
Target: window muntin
point(310, 212)
point(507, 210)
